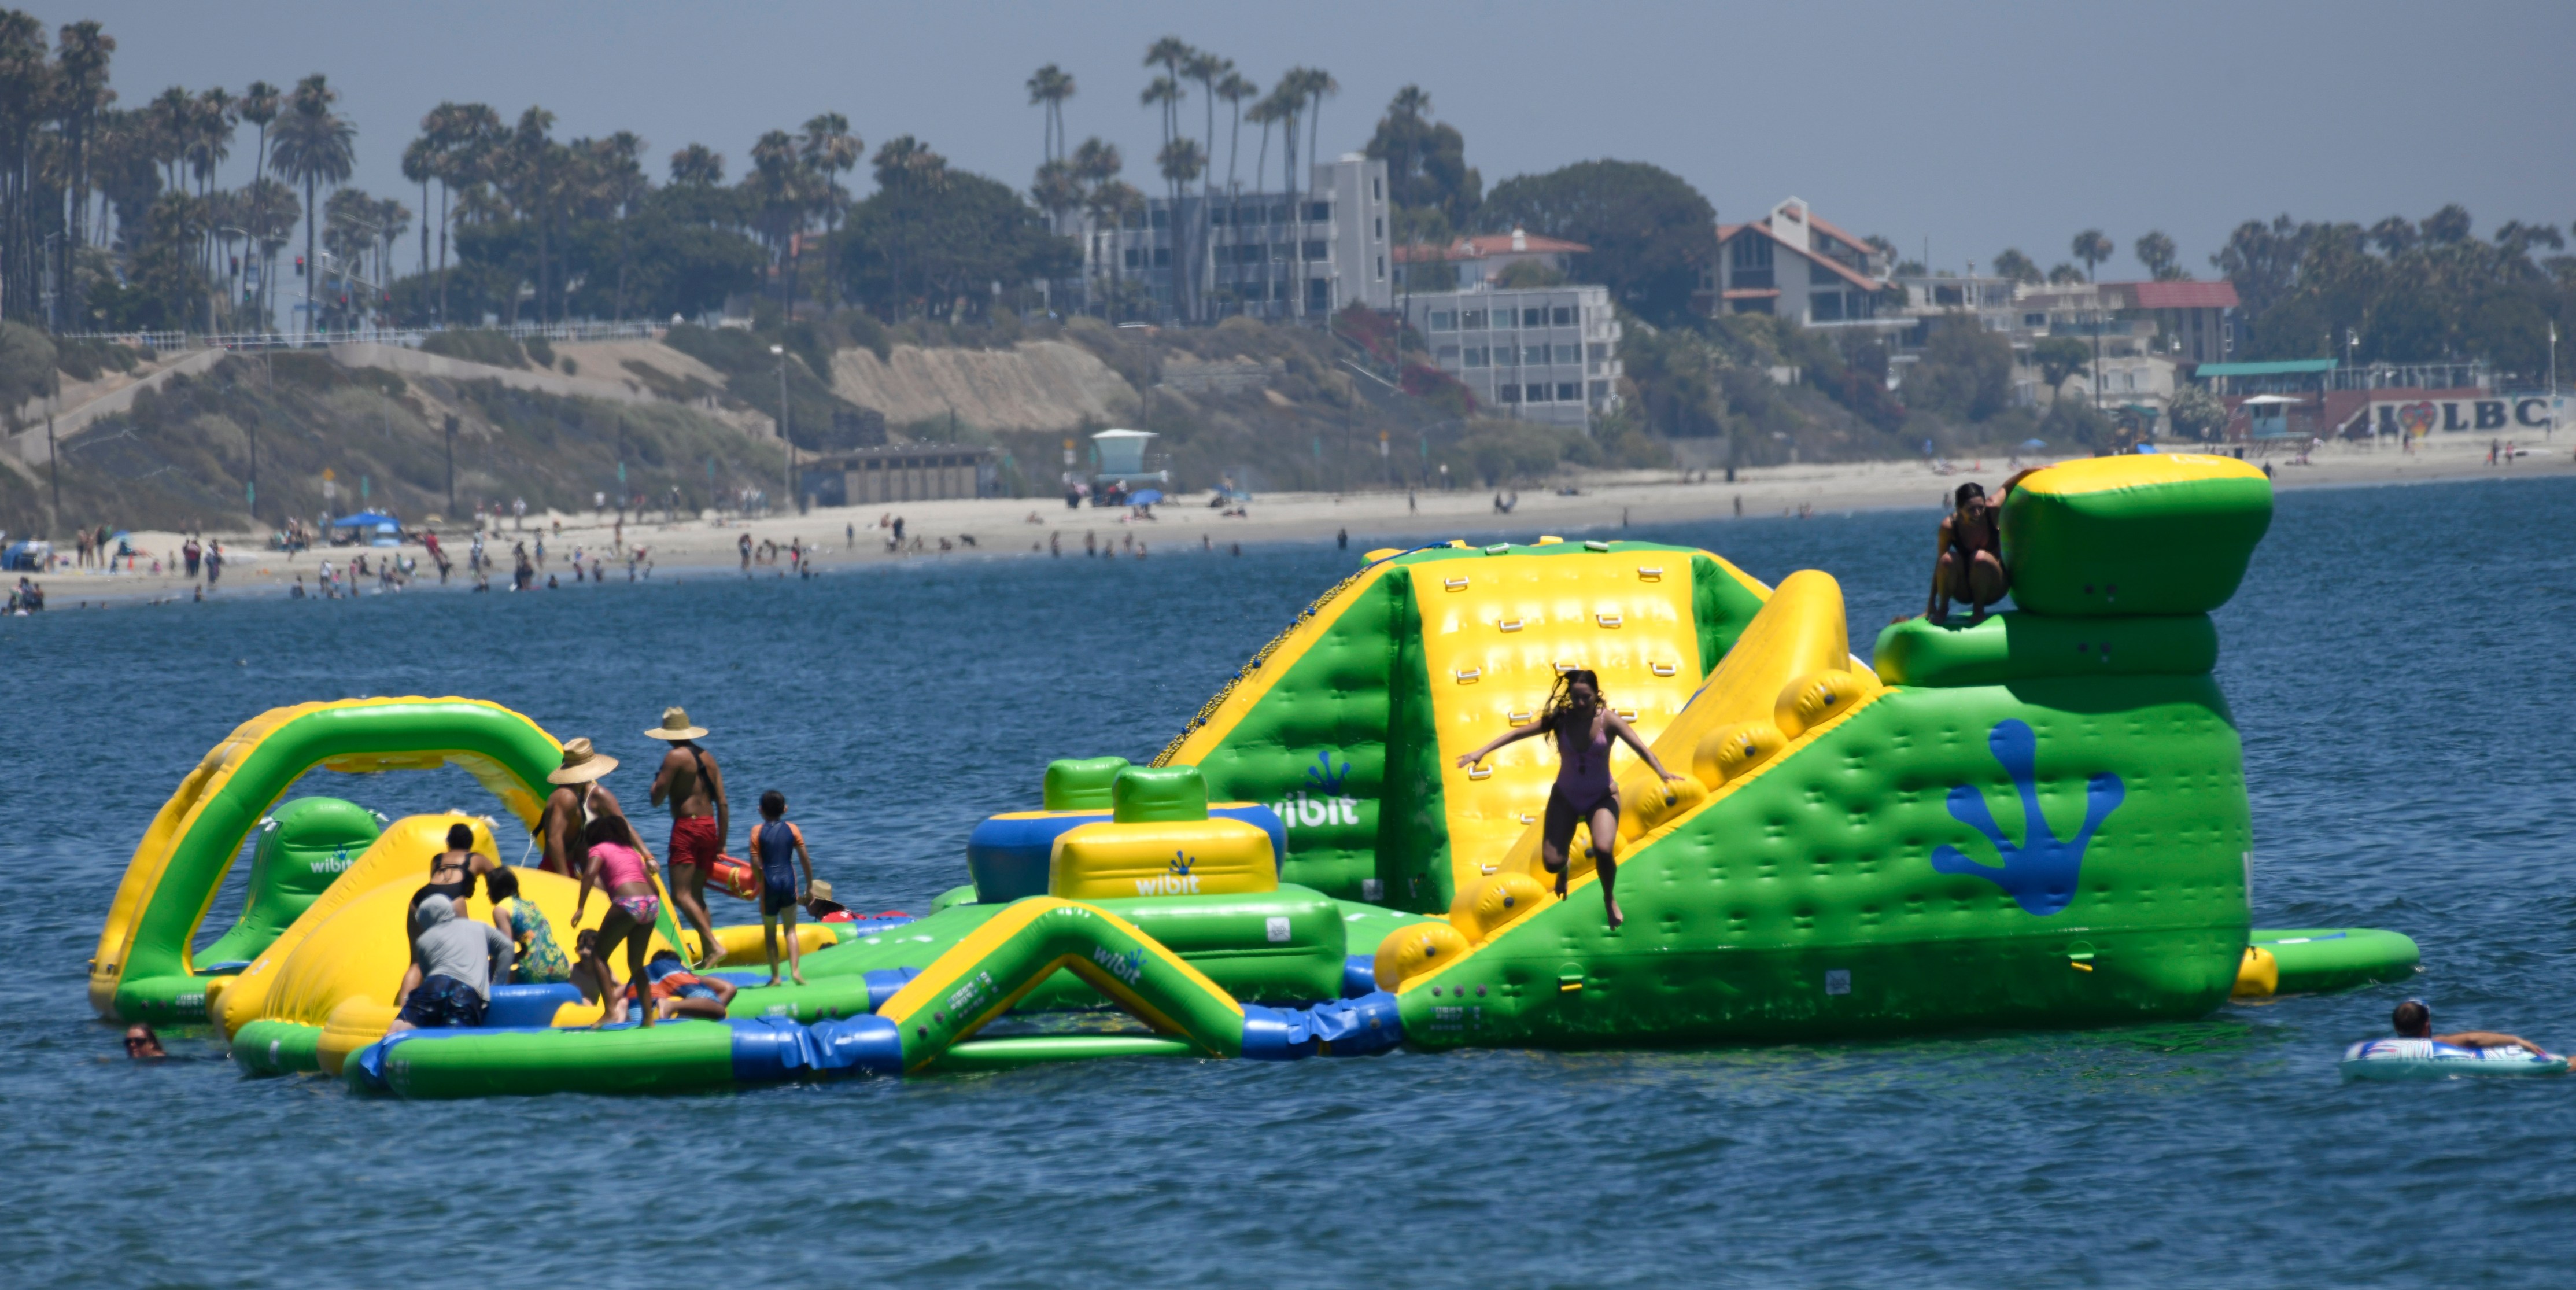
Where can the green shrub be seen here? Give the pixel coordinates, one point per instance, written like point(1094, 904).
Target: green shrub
point(477, 345)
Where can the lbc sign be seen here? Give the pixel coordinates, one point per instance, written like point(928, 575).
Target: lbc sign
point(2422, 416)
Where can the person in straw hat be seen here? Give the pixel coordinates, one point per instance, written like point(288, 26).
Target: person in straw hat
point(578, 799)
point(693, 784)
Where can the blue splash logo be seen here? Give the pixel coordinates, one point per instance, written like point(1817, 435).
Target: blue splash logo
point(1322, 802)
point(1324, 777)
point(2040, 874)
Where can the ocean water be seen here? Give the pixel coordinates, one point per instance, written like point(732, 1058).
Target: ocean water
point(2393, 662)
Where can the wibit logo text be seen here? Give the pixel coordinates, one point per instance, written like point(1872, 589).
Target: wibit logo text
point(1176, 881)
point(1127, 967)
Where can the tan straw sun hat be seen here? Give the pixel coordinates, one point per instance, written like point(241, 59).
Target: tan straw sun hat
point(822, 890)
point(675, 725)
point(581, 764)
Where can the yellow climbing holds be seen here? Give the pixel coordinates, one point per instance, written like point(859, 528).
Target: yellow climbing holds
point(1415, 950)
point(1729, 752)
point(1487, 907)
point(1810, 698)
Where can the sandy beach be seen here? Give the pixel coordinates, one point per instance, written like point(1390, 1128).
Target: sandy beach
point(843, 537)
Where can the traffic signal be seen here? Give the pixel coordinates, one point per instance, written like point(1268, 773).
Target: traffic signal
point(299, 266)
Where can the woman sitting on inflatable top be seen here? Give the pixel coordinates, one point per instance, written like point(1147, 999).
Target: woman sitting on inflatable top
point(1583, 727)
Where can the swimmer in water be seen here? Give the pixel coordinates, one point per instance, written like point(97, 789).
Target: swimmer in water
point(2413, 1020)
point(1583, 727)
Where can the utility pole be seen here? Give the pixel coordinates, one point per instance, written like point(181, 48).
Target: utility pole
point(783, 440)
point(250, 487)
point(54, 467)
point(451, 463)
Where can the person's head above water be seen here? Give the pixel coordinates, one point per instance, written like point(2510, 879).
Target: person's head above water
point(773, 805)
point(141, 1043)
point(1576, 691)
point(2412, 1019)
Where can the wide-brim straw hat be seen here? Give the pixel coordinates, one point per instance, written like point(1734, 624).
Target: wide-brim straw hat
point(675, 725)
point(581, 764)
point(822, 890)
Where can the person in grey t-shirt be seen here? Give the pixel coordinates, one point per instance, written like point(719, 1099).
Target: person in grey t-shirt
point(453, 964)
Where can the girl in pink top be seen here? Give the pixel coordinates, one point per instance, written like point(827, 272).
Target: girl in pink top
point(633, 904)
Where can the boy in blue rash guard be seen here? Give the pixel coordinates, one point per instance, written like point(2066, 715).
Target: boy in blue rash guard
point(775, 845)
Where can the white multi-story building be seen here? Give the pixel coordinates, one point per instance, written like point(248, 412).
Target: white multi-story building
point(1537, 353)
point(1262, 255)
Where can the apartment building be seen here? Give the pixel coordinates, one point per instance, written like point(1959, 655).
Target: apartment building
point(1546, 354)
point(1793, 264)
point(1262, 255)
point(1472, 262)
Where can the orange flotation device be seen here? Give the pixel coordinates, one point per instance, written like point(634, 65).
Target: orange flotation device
point(737, 877)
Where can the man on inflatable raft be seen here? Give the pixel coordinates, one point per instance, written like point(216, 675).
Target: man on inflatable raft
point(2418, 1053)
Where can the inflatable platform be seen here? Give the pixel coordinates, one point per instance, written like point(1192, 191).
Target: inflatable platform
point(2036, 820)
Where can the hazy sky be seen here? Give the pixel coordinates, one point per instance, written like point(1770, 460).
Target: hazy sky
point(1975, 126)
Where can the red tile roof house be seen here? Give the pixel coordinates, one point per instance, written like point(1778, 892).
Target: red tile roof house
point(1471, 262)
point(1793, 265)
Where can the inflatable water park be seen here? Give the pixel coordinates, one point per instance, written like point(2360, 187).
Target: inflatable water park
point(2036, 819)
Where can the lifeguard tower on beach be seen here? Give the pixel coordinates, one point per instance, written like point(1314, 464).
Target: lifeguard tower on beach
point(1121, 457)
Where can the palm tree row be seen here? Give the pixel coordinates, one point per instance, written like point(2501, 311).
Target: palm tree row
point(1079, 181)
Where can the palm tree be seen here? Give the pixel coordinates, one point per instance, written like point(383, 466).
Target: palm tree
point(1319, 85)
point(906, 168)
point(1049, 87)
point(830, 151)
point(1110, 203)
point(697, 166)
point(81, 99)
point(420, 165)
point(463, 138)
point(526, 166)
point(1234, 89)
point(314, 146)
point(775, 189)
point(2158, 253)
point(259, 106)
point(1056, 190)
point(2092, 248)
point(1096, 165)
point(619, 160)
point(1266, 113)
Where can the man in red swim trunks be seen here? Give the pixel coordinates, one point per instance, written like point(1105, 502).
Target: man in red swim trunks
point(694, 785)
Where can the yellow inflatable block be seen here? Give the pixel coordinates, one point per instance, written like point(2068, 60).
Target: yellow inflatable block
point(1494, 904)
point(343, 974)
point(399, 857)
point(1730, 751)
point(742, 943)
point(1212, 857)
point(1415, 950)
point(1812, 698)
point(2258, 976)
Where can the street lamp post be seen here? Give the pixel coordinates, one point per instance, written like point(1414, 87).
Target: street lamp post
point(784, 441)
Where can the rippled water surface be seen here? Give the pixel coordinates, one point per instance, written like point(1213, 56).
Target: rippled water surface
point(2396, 662)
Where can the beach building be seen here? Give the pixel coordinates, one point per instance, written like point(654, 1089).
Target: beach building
point(2321, 398)
point(1205, 258)
point(905, 473)
point(1473, 262)
point(1792, 264)
point(1534, 353)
